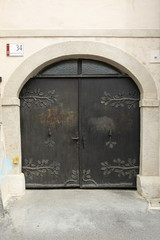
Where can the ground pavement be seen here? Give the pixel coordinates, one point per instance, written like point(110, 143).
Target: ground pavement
point(80, 214)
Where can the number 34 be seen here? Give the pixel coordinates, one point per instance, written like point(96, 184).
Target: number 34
point(18, 47)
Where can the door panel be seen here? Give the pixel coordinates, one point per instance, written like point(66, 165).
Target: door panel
point(109, 128)
point(80, 133)
point(49, 121)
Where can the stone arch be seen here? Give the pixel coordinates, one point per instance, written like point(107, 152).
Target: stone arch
point(85, 49)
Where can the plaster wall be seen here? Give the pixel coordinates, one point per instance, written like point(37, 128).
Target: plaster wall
point(77, 14)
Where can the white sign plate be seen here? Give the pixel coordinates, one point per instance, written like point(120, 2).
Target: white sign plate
point(15, 49)
point(155, 56)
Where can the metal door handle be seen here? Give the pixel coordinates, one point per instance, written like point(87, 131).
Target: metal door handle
point(49, 132)
point(75, 139)
point(110, 133)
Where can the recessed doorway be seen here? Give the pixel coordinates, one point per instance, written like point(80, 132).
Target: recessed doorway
point(80, 127)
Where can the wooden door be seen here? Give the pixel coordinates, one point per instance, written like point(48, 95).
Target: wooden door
point(49, 127)
point(80, 127)
point(109, 126)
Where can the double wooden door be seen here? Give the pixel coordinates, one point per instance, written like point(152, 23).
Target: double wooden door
point(80, 132)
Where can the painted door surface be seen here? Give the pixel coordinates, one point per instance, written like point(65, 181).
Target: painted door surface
point(49, 121)
point(109, 126)
point(80, 132)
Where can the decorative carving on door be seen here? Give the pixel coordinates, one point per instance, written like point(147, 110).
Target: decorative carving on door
point(50, 143)
point(121, 168)
point(40, 169)
point(86, 177)
point(37, 97)
point(120, 100)
point(74, 178)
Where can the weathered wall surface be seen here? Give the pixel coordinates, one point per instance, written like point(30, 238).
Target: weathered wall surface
point(77, 14)
point(132, 26)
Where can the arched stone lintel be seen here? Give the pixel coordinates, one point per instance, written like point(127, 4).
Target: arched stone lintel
point(86, 49)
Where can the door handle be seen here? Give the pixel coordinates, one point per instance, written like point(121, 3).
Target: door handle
point(75, 139)
point(110, 133)
point(49, 132)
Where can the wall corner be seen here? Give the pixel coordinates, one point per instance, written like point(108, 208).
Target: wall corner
point(12, 186)
point(148, 186)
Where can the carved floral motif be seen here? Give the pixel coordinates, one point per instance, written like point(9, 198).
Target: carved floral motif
point(120, 100)
point(40, 168)
point(37, 97)
point(86, 177)
point(50, 143)
point(121, 168)
point(111, 143)
point(74, 178)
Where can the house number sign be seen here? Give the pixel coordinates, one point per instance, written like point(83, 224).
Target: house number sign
point(14, 49)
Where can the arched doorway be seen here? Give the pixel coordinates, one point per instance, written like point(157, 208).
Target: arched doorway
point(13, 183)
point(80, 127)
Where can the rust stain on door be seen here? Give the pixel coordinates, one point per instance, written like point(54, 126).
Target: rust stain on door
point(55, 116)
